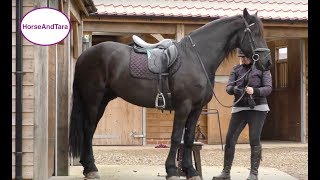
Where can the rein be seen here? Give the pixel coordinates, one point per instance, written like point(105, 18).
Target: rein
point(255, 58)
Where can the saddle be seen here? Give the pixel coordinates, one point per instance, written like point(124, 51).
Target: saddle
point(160, 56)
point(163, 44)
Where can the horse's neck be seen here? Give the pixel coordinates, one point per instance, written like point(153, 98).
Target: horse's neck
point(215, 41)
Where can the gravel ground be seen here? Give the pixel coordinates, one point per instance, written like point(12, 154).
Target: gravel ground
point(292, 160)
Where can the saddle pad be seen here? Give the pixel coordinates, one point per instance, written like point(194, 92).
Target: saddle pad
point(138, 66)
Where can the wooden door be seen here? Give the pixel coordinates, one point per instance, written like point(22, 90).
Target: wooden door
point(294, 69)
point(119, 125)
point(283, 120)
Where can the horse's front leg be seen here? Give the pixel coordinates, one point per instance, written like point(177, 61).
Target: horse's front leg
point(180, 118)
point(187, 165)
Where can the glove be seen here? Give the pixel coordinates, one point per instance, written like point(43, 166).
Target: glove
point(237, 90)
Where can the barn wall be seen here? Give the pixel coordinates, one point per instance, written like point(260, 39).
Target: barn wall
point(160, 125)
point(27, 97)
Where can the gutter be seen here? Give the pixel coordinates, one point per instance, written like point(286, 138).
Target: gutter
point(19, 75)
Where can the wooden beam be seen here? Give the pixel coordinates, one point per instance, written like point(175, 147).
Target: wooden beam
point(81, 6)
point(75, 13)
point(286, 32)
point(158, 37)
point(158, 20)
point(179, 20)
point(285, 23)
point(129, 27)
point(180, 32)
point(191, 27)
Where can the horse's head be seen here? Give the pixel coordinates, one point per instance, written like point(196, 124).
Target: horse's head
point(252, 42)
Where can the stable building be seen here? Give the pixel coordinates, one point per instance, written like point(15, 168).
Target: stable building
point(41, 100)
point(285, 29)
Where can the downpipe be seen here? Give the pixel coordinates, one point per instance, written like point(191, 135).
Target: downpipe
point(19, 76)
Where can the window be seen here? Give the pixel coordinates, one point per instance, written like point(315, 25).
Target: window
point(281, 67)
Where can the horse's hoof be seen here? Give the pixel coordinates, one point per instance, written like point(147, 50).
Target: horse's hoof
point(92, 175)
point(194, 178)
point(173, 178)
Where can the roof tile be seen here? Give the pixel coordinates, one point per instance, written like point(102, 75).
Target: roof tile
point(267, 9)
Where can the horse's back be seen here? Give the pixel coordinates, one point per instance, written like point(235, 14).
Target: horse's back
point(101, 51)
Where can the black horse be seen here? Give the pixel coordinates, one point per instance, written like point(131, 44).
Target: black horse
point(102, 74)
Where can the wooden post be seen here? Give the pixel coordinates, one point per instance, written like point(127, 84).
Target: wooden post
point(62, 105)
point(180, 32)
point(40, 158)
point(75, 39)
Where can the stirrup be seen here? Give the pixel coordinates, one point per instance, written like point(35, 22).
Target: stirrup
point(161, 98)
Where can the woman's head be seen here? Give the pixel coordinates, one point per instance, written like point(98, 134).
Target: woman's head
point(243, 58)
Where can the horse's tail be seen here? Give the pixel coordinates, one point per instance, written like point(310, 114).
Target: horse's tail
point(76, 123)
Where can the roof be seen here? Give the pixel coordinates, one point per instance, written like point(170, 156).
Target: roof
point(267, 9)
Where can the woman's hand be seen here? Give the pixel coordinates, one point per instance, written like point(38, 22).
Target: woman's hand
point(237, 90)
point(249, 90)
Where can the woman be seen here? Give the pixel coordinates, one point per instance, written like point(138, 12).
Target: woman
point(252, 109)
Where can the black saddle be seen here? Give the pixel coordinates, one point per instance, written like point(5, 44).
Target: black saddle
point(160, 55)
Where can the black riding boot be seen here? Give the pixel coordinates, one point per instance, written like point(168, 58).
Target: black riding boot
point(255, 162)
point(227, 163)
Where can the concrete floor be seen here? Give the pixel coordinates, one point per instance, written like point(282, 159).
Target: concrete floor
point(140, 172)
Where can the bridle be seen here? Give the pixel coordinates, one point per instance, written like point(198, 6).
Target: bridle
point(255, 57)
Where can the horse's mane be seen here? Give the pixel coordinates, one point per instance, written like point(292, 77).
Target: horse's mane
point(232, 53)
point(216, 22)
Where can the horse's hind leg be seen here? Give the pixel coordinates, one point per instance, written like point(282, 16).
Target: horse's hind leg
point(95, 111)
point(187, 165)
point(180, 117)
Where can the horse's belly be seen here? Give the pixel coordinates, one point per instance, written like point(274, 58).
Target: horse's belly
point(139, 92)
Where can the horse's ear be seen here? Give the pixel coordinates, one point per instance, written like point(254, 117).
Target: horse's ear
point(256, 13)
point(246, 14)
